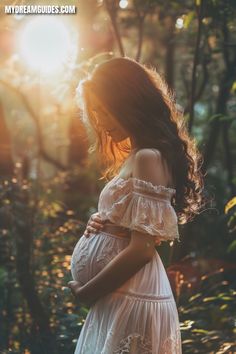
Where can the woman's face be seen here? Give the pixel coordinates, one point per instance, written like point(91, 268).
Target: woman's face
point(107, 121)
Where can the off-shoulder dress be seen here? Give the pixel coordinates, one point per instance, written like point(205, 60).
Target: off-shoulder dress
point(141, 316)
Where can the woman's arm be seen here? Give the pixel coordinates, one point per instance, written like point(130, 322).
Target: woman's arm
point(122, 267)
point(147, 166)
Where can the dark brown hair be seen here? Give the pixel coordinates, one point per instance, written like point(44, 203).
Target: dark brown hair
point(140, 99)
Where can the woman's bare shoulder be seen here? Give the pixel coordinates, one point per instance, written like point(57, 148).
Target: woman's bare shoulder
point(149, 165)
point(147, 155)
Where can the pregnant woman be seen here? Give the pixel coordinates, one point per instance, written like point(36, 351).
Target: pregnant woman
point(154, 183)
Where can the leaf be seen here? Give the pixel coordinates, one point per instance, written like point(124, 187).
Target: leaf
point(188, 341)
point(84, 311)
point(214, 117)
point(188, 19)
point(227, 119)
point(227, 298)
point(232, 247)
point(224, 307)
point(198, 330)
point(221, 118)
point(231, 203)
point(211, 298)
point(233, 88)
point(194, 297)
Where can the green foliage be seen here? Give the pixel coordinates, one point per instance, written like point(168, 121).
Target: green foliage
point(208, 317)
point(189, 18)
point(54, 229)
point(232, 247)
point(41, 221)
point(221, 118)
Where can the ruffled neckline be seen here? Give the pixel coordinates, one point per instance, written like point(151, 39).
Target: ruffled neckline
point(147, 184)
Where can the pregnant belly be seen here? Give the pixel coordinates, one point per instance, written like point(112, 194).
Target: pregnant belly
point(91, 254)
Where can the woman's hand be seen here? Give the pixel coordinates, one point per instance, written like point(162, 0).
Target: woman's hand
point(94, 224)
point(76, 291)
point(157, 241)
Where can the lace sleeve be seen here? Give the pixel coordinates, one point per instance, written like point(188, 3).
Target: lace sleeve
point(141, 203)
point(146, 208)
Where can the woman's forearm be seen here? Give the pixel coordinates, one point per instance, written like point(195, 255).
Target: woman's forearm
point(113, 275)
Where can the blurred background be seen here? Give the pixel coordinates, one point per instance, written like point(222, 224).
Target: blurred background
point(49, 182)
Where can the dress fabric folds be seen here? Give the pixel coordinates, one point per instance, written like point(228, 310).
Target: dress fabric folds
point(139, 317)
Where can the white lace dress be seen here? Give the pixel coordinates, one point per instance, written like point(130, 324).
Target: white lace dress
point(140, 317)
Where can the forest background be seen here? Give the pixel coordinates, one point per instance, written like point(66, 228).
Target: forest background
point(50, 183)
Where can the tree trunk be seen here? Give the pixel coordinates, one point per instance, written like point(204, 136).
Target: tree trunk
point(6, 161)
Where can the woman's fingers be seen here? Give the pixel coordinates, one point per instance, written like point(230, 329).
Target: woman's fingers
point(91, 229)
point(94, 224)
point(157, 242)
point(96, 216)
point(73, 285)
point(88, 230)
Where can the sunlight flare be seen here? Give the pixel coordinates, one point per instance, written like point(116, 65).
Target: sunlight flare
point(45, 44)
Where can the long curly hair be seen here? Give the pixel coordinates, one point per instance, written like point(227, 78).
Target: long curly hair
point(140, 99)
